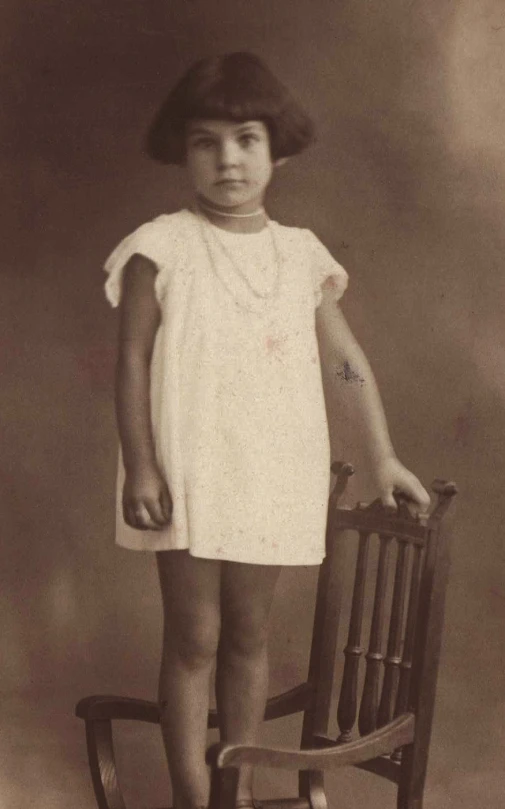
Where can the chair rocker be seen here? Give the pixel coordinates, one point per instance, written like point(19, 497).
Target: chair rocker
point(395, 711)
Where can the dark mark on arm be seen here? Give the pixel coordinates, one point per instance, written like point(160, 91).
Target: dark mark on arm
point(347, 374)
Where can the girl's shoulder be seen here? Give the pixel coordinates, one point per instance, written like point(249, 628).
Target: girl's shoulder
point(301, 238)
point(163, 240)
point(318, 260)
point(288, 230)
point(173, 218)
point(157, 238)
point(169, 222)
point(294, 232)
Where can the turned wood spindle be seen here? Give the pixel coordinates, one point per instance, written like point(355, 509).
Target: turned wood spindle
point(393, 656)
point(348, 701)
point(408, 646)
point(367, 721)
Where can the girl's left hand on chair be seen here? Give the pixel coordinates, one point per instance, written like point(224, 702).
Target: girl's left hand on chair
point(391, 478)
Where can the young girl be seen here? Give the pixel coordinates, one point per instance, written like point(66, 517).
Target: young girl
point(225, 453)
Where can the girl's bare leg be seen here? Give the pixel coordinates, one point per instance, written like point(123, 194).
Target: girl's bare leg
point(242, 666)
point(191, 600)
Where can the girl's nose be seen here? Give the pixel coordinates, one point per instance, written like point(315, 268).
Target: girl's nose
point(228, 153)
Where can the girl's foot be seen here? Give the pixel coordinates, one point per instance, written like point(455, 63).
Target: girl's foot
point(248, 803)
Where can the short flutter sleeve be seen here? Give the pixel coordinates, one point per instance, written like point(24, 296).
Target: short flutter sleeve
point(152, 240)
point(324, 266)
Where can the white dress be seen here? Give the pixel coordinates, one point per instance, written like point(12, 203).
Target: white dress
point(237, 404)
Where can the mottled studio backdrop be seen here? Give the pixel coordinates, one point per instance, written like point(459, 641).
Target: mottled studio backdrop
point(406, 185)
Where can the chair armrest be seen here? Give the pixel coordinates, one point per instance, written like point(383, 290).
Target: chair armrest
point(290, 702)
point(393, 735)
point(105, 706)
point(108, 706)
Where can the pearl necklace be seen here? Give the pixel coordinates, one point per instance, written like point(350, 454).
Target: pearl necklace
point(261, 300)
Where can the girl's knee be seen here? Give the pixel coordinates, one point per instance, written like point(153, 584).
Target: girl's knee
point(195, 645)
point(246, 637)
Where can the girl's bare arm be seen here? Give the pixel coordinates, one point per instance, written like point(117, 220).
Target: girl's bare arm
point(350, 370)
point(146, 499)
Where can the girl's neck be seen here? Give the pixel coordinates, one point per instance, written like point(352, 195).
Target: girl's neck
point(252, 222)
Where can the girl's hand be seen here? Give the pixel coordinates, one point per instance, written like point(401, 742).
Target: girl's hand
point(392, 477)
point(147, 503)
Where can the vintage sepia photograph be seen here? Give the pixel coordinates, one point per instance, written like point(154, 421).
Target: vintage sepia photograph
point(252, 363)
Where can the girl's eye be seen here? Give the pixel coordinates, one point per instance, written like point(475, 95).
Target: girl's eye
point(202, 143)
point(248, 140)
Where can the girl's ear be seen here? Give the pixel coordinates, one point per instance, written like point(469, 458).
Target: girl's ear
point(281, 161)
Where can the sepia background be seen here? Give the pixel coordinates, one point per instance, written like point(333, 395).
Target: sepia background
point(406, 185)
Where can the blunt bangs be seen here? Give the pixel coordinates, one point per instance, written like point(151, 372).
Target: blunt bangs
point(234, 87)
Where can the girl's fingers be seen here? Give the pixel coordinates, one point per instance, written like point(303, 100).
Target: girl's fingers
point(128, 514)
point(137, 516)
point(418, 494)
point(422, 497)
point(415, 496)
point(142, 517)
point(155, 513)
point(147, 507)
point(388, 500)
point(395, 482)
point(166, 504)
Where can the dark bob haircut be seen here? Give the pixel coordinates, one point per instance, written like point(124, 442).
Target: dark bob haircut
point(233, 87)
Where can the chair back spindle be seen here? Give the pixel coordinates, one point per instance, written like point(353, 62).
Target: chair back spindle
point(393, 656)
point(348, 702)
point(408, 646)
point(367, 721)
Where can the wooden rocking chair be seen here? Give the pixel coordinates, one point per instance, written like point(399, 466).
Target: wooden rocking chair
point(396, 707)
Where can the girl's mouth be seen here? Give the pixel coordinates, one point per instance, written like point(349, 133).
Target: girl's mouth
point(230, 182)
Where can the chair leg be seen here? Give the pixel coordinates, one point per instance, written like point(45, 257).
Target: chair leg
point(223, 788)
point(311, 787)
point(412, 778)
point(102, 764)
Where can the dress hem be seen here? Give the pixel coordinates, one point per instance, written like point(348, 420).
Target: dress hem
point(269, 562)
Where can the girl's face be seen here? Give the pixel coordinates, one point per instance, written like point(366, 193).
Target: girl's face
point(229, 163)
